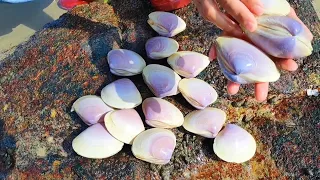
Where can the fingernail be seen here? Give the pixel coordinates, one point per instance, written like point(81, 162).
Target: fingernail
point(250, 26)
point(258, 9)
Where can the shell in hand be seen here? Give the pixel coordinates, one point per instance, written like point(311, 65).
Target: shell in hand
point(282, 37)
point(166, 24)
point(90, 109)
point(243, 63)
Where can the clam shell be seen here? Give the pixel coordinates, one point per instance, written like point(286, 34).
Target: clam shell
point(161, 80)
point(187, 63)
point(206, 122)
point(243, 63)
point(234, 144)
point(121, 94)
point(161, 113)
point(161, 47)
point(281, 37)
point(90, 109)
point(154, 145)
point(197, 92)
point(95, 142)
point(123, 62)
point(166, 24)
point(124, 124)
point(275, 7)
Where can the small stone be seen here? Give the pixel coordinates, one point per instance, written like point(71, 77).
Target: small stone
point(238, 104)
point(272, 100)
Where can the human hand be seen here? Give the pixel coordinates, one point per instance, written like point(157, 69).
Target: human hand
point(261, 89)
point(236, 12)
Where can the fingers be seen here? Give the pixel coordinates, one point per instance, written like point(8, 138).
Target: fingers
point(209, 10)
point(232, 88)
point(239, 12)
point(212, 53)
point(255, 6)
point(287, 64)
point(261, 91)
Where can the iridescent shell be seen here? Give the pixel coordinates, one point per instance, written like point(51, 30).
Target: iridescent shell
point(243, 63)
point(166, 24)
point(161, 80)
point(154, 145)
point(234, 144)
point(123, 62)
point(91, 109)
point(161, 47)
point(197, 92)
point(161, 113)
point(121, 94)
point(187, 63)
point(95, 142)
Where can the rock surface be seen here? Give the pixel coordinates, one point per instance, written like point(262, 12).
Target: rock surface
point(67, 60)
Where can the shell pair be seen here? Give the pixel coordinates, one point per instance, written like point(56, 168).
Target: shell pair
point(231, 144)
point(164, 82)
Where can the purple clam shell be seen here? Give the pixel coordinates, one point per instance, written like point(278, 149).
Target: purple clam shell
point(281, 36)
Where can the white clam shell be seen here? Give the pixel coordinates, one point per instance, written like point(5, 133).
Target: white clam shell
point(206, 122)
point(166, 24)
point(90, 109)
point(187, 63)
point(161, 113)
point(161, 47)
point(124, 62)
point(154, 145)
point(197, 92)
point(124, 124)
point(121, 94)
point(95, 142)
point(161, 80)
point(234, 144)
point(276, 7)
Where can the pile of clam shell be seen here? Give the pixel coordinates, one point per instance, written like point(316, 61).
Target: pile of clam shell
point(113, 120)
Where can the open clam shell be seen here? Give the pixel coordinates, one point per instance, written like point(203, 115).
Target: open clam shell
point(275, 7)
point(161, 80)
point(206, 122)
point(281, 36)
point(234, 144)
point(187, 63)
point(121, 94)
point(197, 92)
point(124, 124)
point(161, 47)
point(95, 142)
point(166, 24)
point(243, 63)
point(123, 62)
point(154, 145)
point(90, 109)
point(161, 113)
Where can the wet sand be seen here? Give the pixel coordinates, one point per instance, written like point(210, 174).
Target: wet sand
point(20, 21)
